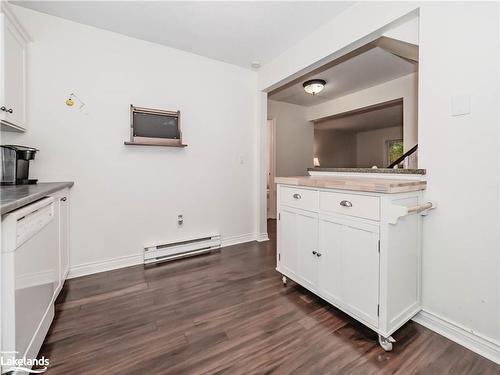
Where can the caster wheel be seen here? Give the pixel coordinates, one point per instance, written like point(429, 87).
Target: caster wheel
point(386, 342)
point(284, 280)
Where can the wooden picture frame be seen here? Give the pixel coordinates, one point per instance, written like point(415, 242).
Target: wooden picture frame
point(154, 141)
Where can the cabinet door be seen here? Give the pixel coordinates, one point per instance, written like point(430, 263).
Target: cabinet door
point(348, 269)
point(329, 267)
point(64, 237)
point(307, 241)
point(297, 239)
point(14, 76)
point(287, 242)
point(360, 265)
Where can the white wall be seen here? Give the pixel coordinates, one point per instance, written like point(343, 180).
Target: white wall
point(403, 87)
point(459, 53)
point(127, 196)
point(294, 138)
point(371, 148)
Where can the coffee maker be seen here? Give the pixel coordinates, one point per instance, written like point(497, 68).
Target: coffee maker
point(16, 163)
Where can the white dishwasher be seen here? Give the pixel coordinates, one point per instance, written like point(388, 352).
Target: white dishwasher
point(30, 277)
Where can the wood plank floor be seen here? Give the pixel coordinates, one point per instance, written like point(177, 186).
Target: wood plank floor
point(228, 313)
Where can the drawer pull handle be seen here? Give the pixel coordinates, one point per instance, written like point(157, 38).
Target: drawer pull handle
point(297, 196)
point(346, 204)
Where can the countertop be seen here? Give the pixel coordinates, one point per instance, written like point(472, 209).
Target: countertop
point(369, 170)
point(14, 196)
point(367, 184)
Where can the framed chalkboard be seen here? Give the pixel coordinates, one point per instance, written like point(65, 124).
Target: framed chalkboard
point(155, 127)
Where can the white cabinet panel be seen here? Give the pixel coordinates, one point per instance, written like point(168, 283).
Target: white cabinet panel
point(13, 50)
point(300, 198)
point(288, 255)
point(298, 241)
point(348, 269)
point(64, 236)
point(307, 240)
point(329, 266)
point(364, 206)
point(360, 272)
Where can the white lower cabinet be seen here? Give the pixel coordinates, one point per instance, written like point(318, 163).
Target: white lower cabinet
point(300, 240)
point(349, 253)
point(353, 262)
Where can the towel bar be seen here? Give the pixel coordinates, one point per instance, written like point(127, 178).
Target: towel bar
point(397, 212)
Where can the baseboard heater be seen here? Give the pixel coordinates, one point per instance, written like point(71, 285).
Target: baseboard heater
point(181, 249)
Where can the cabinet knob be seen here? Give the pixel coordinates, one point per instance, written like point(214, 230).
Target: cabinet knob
point(318, 254)
point(63, 199)
point(10, 110)
point(315, 252)
point(3, 108)
point(346, 204)
point(297, 196)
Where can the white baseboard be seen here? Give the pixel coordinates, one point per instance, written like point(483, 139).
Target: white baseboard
point(105, 265)
point(133, 260)
point(235, 240)
point(486, 347)
point(262, 237)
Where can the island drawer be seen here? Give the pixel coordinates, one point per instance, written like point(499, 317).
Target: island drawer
point(300, 198)
point(364, 206)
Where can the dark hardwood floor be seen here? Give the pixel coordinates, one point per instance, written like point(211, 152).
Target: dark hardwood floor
point(228, 313)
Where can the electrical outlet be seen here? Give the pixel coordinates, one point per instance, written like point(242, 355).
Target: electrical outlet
point(180, 220)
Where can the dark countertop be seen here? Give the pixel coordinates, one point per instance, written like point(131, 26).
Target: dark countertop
point(14, 196)
point(369, 170)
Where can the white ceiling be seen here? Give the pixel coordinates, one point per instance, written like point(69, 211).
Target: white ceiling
point(367, 69)
point(378, 118)
point(234, 32)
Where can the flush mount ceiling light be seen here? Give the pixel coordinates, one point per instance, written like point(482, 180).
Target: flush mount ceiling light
point(314, 86)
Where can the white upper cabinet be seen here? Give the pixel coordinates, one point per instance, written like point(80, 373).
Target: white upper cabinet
point(13, 43)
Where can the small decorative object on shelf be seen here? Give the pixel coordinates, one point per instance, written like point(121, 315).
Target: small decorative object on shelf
point(155, 127)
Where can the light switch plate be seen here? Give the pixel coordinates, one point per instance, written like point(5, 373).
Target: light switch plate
point(460, 105)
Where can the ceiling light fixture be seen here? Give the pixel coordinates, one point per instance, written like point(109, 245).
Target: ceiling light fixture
point(314, 86)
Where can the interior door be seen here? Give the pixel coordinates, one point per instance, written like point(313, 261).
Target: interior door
point(360, 270)
point(307, 240)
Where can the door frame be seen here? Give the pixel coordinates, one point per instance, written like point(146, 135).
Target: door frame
point(271, 171)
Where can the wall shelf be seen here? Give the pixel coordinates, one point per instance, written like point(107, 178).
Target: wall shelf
point(128, 143)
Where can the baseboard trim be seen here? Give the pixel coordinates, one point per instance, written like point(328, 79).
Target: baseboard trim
point(262, 237)
point(104, 265)
point(133, 260)
point(479, 344)
point(235, 240)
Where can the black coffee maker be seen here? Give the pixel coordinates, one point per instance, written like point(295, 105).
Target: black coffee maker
point(16, 163)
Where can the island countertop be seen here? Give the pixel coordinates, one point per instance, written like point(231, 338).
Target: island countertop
point(14, 196)
point(366, 184)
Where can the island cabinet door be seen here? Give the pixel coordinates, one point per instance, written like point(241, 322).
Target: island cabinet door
point(307, 241)
point(348, 269)
point(297, 245)
point(287, 242)
point(331, 235)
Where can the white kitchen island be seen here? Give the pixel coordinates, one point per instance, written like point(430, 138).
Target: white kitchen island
point(355, 242)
